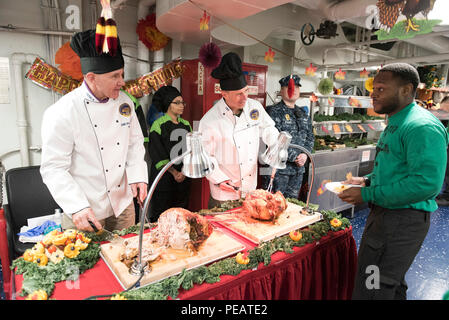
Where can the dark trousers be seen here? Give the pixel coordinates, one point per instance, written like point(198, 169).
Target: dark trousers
point(178, 197)
point(445, 193)
point(390, 242)
point(288, 185)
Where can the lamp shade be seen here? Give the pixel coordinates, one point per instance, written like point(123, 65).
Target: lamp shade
point(196, 162)
point(276, 155)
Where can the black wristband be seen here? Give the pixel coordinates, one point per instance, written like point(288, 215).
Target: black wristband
point(367, 181)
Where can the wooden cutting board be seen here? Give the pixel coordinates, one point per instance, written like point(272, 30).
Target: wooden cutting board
point(261, 231)
point(217, 246)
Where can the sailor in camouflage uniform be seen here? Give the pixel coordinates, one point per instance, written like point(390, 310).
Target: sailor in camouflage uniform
point(295, 120)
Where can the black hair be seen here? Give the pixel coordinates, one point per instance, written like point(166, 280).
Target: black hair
point(405, 72)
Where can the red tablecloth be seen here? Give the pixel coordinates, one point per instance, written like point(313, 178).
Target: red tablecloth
point(321, 270)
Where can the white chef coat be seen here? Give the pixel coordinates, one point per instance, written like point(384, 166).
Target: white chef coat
point(233, 143)
point(91, 152)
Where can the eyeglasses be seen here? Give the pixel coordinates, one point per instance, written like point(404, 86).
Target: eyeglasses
point(180, 102)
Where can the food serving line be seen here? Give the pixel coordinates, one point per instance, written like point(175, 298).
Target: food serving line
point(324, 269)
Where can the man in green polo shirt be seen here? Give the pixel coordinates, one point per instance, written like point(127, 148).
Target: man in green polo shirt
point(408, 174)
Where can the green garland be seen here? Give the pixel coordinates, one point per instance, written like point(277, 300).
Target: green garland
point(44, 278)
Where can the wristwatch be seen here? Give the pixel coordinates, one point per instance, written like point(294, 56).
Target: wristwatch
point(367, 181)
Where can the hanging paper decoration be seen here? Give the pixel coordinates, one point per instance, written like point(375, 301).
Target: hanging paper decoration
point(325, 86)
point(204, 21)
point(340, 75)
point(310, 70)
point(389, 13)
point(331, 101)
point(291, 87)
point(313, 98)
point(364, 73)
point(369, 84)
point(269, 55)
point(49, 77)
point(68, 61)
point(149, 34)
point(210, 55)
point(106, 30)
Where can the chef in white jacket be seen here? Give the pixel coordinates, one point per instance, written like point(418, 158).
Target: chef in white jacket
point(231, 132)
point(92, 145)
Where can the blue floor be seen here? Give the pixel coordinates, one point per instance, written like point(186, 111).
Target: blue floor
point(428, 277)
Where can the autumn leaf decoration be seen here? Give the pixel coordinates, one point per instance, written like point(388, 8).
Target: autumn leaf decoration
point(269, 55)
point(364, 73)
point(310, 70)
point(340, 74)
point(204, 22)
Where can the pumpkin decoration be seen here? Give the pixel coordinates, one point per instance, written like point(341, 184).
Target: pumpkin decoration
point(336, 223)
point(241, 258)
point(71, 251)
point(41, 259)
point(28, 255)
point(295, 235)
point(37, 295)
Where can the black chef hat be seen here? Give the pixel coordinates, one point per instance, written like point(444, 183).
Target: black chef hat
point(230, 73)
point(83, 43)
point(284, 81)
point(164, 96)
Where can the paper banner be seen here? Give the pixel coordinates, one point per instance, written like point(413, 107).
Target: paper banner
point(49, 77)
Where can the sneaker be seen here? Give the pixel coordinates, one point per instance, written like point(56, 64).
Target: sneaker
point(442, 202)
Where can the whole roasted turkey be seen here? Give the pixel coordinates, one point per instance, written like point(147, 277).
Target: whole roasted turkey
point(179, 228)
point(176, 228)
point(263, 205)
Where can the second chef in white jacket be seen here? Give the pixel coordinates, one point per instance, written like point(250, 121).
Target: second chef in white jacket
point(231, 131)
point(92, 145)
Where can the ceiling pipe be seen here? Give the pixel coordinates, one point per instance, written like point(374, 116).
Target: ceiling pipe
point(424, 60)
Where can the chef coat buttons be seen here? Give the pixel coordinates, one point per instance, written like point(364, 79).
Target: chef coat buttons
point(118, 143)
point(116, 121)
point(107, 170)
point(118, 186)
point(101, 148)
point(119, 165)
point(95, 125)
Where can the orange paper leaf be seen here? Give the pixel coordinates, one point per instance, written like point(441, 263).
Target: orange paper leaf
point(269, 55)
point(310, 70)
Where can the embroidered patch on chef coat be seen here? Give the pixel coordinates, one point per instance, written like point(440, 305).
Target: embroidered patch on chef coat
point(254, 114)
point(287, 116)
point(125, 110)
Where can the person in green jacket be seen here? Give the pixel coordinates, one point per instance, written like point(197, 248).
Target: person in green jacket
point(167, 141)
point(408, 173)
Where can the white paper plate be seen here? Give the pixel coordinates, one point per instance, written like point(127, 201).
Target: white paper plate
point(336, 187)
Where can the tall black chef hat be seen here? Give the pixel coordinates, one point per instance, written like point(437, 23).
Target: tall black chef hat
point(164, 96)
point(230, 73)
point(83, 43)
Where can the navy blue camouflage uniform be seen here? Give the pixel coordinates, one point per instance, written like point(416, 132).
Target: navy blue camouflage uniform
point(298, 123)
